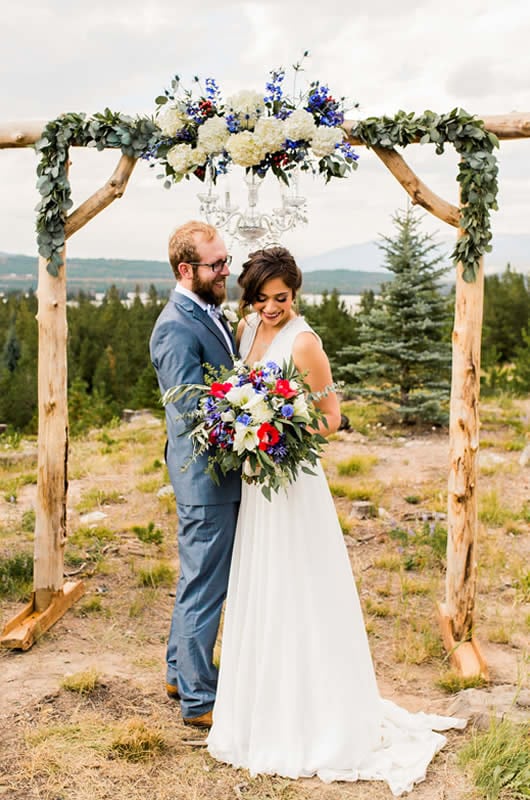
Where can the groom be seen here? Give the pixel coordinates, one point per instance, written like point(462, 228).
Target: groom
point(188, 334)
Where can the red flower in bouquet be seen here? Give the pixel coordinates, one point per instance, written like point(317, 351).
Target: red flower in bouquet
point(283, 388)
point(220, 389)
point(268, 436)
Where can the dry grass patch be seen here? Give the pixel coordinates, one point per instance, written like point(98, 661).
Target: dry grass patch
point(452, 682)
point(134, 740)
point(356, 465)
point(81, 682)
point(159, 573)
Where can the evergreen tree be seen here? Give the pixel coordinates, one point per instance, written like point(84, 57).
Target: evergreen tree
point(521, 373)
point(404, 358)
point(506, 316)
point(334, 324)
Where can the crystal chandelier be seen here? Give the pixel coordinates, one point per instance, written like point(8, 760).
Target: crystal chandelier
point(252, 226)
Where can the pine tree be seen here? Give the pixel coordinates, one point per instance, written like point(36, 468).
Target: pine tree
point(334, 324)
point(404, 357)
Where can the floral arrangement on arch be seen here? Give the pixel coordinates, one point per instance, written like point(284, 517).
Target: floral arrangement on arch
point(261, 419)
point(204, 135)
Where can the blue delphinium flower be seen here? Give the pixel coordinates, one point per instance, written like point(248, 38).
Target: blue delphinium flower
point(273, 87)
point(244, 419)
point(278, 451)
point(213, 92)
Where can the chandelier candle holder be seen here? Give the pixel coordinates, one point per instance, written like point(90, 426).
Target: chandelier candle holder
point(251, 225)
point(263, 132)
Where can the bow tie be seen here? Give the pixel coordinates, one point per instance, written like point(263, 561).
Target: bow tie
point(214, 311)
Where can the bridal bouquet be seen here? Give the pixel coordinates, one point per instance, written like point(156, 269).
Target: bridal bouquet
point(256, 418)
point(202, 134)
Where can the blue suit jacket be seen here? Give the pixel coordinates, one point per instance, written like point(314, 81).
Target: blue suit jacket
point(183, 340)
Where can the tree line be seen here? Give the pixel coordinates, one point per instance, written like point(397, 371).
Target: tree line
point(395, 349)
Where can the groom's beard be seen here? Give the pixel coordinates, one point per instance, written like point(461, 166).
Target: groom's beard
point(211, 291)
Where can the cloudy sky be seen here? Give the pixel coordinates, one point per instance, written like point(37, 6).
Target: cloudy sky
point(67, 55)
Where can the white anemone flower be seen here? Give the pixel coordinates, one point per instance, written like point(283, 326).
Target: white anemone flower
point(245, 438)
point(240, 395)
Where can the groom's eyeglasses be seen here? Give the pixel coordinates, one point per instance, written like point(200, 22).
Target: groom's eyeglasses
point(217, 266)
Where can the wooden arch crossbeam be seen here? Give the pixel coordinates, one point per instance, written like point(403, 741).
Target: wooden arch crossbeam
point(51, 597)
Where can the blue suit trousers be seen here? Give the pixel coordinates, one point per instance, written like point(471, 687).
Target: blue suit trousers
point(205, 542)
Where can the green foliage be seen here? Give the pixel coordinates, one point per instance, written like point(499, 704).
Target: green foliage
point(420, 547)
point(155, 575)
point(452, 682)
point(16, 576)
point(149, 534)
point(107, 129)
point(109, 367)
point(499, 761)
point(506, 316)
point(334, 324)
point(404, 356)
point(477, 173)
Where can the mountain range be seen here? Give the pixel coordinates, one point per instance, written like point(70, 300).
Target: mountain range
point(350, 270)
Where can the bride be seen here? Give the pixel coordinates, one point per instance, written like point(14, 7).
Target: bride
point(297, 694)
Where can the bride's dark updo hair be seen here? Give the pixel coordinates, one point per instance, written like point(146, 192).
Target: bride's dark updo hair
point(263, 266)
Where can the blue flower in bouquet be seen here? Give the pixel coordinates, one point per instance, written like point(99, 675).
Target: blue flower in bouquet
point(287, 411)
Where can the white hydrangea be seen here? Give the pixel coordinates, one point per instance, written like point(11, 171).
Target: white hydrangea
point(324, 141)
point(171, 120)
point(248, 106)
point(245, 149)
point(271, 133)
point(300, 125)
point(183, 158)
point(213, 135)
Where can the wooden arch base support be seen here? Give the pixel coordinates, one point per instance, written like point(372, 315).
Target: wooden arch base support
point(22, 631)
point(465, 657)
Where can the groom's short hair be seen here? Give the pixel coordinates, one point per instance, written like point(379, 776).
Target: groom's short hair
point(182, 244)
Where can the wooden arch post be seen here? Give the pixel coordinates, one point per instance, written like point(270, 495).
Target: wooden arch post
point(456, 614)
point(51, 595)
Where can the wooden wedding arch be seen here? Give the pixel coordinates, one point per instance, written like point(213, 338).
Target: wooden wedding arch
point(52, 596)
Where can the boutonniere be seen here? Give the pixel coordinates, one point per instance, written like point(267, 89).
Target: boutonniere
point(230, 315)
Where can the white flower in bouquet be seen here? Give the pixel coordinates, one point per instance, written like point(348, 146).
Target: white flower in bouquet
point(271, 133)
point(183, 157)
point(300, 125)
point(171, 120)
point(228, 416)
point(248, 106)
point(245, 149)
point(245, 438)
point(324, 141)
point(259, 410)
point(241, 395)
point(213, 135)
point(300, 408)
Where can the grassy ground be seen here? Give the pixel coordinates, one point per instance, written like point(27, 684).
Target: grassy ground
point(84, 714)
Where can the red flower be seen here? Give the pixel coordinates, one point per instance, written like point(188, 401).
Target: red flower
point(268, 436)
point(283, 388)
point(220, 389)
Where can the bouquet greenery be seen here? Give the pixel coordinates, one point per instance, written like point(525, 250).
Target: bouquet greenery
point(261, 419)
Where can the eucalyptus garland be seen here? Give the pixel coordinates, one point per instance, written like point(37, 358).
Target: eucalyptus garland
point(108, 129)
point(477, 171)
point(138, 137)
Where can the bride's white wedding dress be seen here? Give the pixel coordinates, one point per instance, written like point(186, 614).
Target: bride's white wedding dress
point(297, 694)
